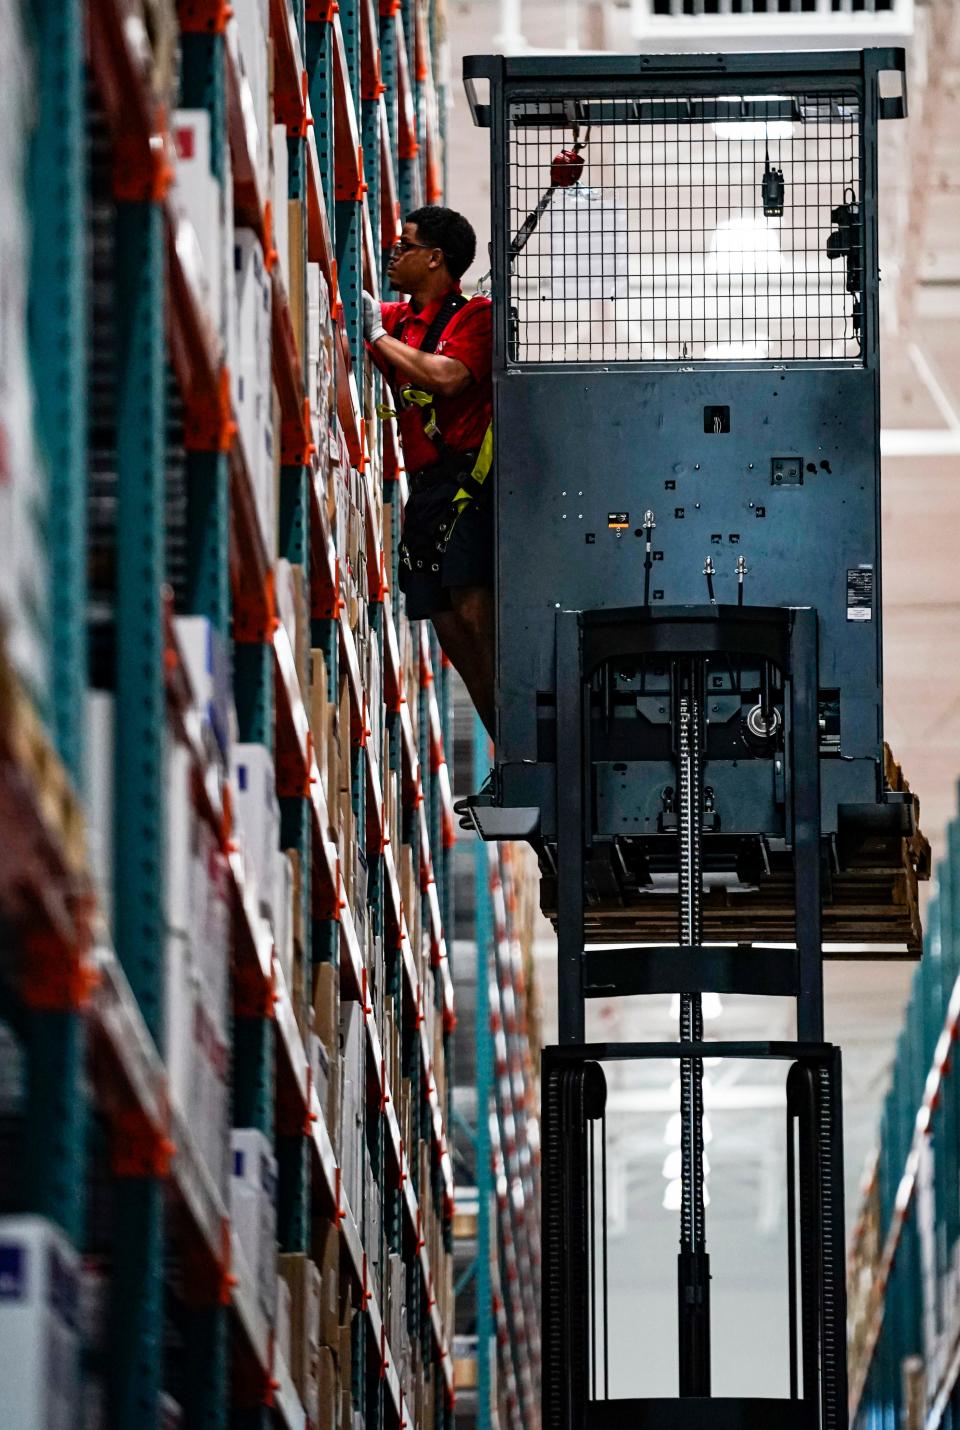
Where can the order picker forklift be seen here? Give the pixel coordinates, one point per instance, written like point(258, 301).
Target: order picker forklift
point(689, 722)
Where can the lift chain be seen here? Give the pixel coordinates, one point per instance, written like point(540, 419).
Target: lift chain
point(690, 818)
point(694, 1263)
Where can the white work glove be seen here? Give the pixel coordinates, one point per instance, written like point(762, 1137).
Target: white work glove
point(373, 328)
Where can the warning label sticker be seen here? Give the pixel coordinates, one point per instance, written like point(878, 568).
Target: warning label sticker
point(860, 593)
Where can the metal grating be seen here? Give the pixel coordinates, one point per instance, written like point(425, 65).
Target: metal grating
point(669, 247)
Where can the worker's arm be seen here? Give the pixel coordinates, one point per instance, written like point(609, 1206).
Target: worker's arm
point(443, 376)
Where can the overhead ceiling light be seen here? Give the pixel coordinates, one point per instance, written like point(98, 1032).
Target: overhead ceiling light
point(746, 243)
point(736, 352)
point(759, 129)
point(673, 1196)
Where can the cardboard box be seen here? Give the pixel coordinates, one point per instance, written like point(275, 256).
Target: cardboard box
point(284, 1337)
point(252, 386)
point(207, 667)
point(301, 637)
point(286, 600)
point(296, 274)
point(303, 1278)
point(247, 35)
point(327, 1243)
point(99, 746)
point(346, 1366)
point(39, 1334)
point(197, 198)
point(328, 1388)
point(253, 1210)
point(258, 814)
point(352, 1106)
point(207, 1106)
point(297, 912)
point(326, 1006)
point(210, 919)
point(280, 200)
point(283, 896)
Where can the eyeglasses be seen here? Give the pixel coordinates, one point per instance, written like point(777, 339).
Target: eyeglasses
point(404, 245)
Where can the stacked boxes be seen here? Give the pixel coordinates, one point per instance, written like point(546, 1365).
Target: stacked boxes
point(209, 779)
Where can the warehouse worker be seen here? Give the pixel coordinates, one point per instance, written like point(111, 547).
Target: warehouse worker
point(435, 352)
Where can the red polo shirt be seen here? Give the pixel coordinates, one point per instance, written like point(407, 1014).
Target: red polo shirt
point(468, 337)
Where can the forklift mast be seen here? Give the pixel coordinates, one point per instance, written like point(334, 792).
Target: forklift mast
point(689, 718)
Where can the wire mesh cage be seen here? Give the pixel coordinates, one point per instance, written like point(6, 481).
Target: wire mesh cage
point(686, 229)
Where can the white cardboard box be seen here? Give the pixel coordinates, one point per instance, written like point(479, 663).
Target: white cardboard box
point(98, 762)
point(179, 997)
point(248, 35)
point(179, 837)
point(39, 1325)
point(283, 915)
point(210, 919)
point(199, 199)
point(252, 390)
point(258, 814)
point(253, 1210)
point(208, 670)
point(208, 1096)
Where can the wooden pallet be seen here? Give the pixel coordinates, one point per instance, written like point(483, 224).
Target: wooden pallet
point(862, 906)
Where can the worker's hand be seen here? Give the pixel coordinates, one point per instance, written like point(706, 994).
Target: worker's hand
point(373, 328)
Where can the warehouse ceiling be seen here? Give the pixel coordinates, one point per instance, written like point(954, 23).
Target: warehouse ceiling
point(920, 263)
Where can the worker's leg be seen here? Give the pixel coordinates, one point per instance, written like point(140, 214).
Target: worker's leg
point(466, 634)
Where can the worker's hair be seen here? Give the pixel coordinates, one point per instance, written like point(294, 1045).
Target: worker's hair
point(449, 231)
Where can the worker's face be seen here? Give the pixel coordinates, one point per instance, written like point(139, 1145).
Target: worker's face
point(411, 260)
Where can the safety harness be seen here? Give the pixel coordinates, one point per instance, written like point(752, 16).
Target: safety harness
point(471, 482)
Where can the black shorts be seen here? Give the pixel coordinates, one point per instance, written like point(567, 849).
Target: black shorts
point(467, 559)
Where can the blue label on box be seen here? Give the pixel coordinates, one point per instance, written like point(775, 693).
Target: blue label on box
point(13, 1272)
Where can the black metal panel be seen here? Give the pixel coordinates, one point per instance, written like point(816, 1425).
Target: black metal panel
point(574, 446)
point(695, 1413)
point(645, 969)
